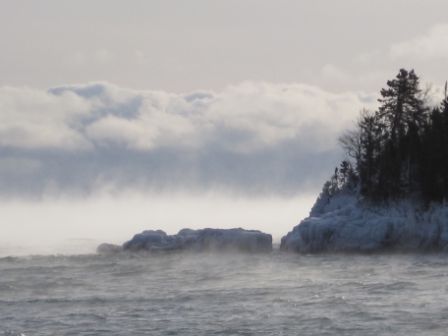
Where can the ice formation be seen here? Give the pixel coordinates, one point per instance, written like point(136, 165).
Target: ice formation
point(344, 223)
point(195, 240)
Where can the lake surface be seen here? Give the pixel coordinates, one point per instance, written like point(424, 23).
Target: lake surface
point(228, 294)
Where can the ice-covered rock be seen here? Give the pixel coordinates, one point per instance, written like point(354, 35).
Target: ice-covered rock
point(344, 223)
point(149, 239)
point(199, 240)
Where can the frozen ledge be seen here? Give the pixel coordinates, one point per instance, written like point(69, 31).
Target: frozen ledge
point(344, 224)
point(241, 240)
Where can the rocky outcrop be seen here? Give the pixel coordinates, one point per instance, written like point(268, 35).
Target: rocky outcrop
point(241, 240)
point(343, 223)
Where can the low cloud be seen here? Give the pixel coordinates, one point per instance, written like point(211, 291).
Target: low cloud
point(253, 138)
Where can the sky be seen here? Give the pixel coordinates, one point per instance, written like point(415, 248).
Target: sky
point(118, 116)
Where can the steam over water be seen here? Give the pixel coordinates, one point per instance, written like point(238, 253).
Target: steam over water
point(232, 294)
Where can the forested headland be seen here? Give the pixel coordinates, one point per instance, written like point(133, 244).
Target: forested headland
point(398, 151)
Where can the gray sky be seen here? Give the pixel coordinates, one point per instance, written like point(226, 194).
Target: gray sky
point(181, 46)
point(241, 99)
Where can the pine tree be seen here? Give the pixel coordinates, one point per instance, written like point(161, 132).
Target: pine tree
point(433, 173)
point(401, 104)
point(404, 115)
point(369, 143)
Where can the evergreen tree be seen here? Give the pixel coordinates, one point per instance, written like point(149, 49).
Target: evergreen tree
point(433, 161)
point(402, 105)
point(401, 150)
point(403, 116)
point(367, 163)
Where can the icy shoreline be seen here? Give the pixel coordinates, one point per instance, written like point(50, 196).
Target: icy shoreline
point(337, 223)
point(342, 223)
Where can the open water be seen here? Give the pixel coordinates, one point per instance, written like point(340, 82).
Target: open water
point(228, 294)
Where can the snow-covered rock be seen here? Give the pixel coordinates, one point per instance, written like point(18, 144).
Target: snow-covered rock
point(149, 239)
point(198, 240)
point(344, 223)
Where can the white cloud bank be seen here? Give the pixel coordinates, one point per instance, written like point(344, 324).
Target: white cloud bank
point(246, 117)
point(84, 136)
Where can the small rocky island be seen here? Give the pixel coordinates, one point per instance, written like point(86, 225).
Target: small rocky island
point(203, 240)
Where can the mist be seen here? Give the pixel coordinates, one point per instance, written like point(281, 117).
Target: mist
point(77, 225)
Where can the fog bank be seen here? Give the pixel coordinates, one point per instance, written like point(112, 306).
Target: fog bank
point(72, 226)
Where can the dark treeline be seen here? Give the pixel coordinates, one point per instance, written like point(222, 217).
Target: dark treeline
point(401, 149)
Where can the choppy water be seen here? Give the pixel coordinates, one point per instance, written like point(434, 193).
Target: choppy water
point(278, 294)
